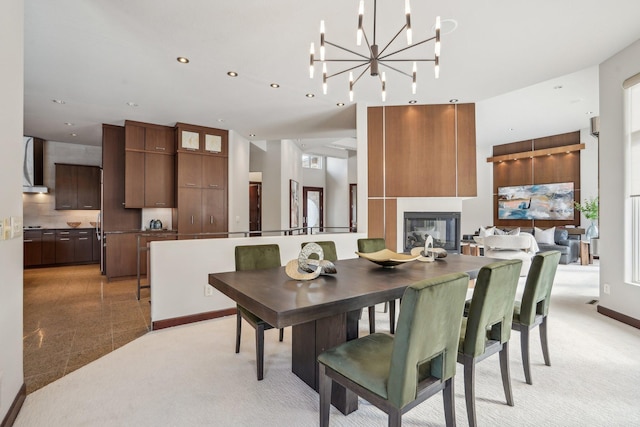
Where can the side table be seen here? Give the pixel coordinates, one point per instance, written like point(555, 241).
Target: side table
point(585, 254)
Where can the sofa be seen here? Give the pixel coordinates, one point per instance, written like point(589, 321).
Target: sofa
point(550, 239)
point(569, 248)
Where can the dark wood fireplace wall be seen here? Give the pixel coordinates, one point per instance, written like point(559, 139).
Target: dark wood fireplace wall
point(546, 169)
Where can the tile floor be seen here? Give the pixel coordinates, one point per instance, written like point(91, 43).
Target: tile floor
point(73, 316)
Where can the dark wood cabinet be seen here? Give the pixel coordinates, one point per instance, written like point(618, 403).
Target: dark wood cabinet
point(48, 247)
point(32, 248)
point(149, 165)
point(214, 211)
point(214, 172)
point(83, 246)
point(77, 187)
point(121, 258)
point(65, 247)
point(190, 210)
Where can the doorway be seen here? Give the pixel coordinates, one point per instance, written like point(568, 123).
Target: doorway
point(313, 208)
point(255, 207)
point(353, 208)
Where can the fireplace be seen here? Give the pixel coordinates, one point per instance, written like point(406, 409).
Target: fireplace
point(444, 227)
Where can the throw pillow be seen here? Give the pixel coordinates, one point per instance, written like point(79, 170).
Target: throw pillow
point(545, 237)
point(484, 232)
point(514, 232)
point(500, 232)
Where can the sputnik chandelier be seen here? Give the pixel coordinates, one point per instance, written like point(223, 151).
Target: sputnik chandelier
point(375, 57)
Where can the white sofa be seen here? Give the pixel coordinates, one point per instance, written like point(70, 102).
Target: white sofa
point(522, 246)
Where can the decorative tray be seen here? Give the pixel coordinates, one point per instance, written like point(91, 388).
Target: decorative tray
point(387, 258)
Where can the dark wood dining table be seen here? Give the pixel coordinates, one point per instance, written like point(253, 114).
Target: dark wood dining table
point(324, 312)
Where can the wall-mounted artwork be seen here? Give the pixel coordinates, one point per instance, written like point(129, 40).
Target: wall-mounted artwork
point(294, 203)
point(539, 202)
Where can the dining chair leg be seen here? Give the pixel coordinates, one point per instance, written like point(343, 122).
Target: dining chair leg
point(260, 351)
point(524, 347)
point(448, 395)
point(324, 390)
point(395, 418)
point(238, 330)
point(372, 319)
point(392, 316)
point(281, 336)
point(543, 341)
point(469, 389)
point(506, 375)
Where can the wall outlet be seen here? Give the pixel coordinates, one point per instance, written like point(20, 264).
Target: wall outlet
point(208, 290)
point(606, 289)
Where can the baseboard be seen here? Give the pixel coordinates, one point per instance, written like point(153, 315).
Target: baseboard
point(619, 316)
point(11, 416)
point(175, 321)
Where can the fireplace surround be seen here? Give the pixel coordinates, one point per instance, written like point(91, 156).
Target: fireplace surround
point(444, 227)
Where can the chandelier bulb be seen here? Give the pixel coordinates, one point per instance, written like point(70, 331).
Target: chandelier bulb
point(311, 60)
point(322, 40)
point(360, 19)
point(415, 73)
point(324, 78)
point(407, 12)
point(436, 69)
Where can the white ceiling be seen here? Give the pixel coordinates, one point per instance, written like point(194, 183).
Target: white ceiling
point(505, 55)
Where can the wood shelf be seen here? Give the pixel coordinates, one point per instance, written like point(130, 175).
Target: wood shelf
point(536, 153)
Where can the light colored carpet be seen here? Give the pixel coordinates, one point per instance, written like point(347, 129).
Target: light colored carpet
point(190, 376)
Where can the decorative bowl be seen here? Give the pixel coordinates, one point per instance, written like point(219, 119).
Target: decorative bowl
point(73, 224)
point(93, 223)
point(387, 257)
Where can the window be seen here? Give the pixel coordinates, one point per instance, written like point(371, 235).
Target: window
point(632, 99)
point(311, 161)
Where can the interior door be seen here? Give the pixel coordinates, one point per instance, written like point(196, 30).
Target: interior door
point(313, 208)
point(255, 207)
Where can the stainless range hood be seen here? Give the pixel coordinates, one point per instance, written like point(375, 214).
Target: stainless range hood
point(32, 166)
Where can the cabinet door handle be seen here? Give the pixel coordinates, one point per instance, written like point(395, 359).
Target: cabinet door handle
point(48, 234)
point(66, 206)
point(211, 219)
point(160, 203)
point(189, 184)
point(28, 241)
point(83, 238)
point(160, 148)
point(64, 233)
point(63, 239)
point(213, 185)
point(88, 206)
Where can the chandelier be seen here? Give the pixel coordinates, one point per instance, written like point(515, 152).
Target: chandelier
point(375, 58)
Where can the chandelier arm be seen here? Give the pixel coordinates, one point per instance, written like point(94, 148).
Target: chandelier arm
point(408, 60)
point(347, 50)
point(349, 69)
point(405, 48)
point(391, 41)
point(361, 74)
point(395, 69)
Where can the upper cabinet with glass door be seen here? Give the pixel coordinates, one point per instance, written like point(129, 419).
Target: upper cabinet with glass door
point(200, 139)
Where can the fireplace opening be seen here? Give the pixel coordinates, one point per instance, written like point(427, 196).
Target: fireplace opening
point(443, 227)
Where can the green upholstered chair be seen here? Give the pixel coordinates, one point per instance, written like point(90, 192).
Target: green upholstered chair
point(396, 373)
point(374, 245)
point(254, 258)
point(328, 249)
point(533, 309)
point(487, 327)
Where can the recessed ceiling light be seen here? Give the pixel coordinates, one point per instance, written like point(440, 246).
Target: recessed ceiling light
point(68, 124)
point(252, 135)
point(413, 101)
point(220, 120)
point(589, 112)
point(558, 87)
point(340, 104)
point(132, 104)
point(58, 101)
point(182, 60)
point(309, 95)
point(453, 100)
point(73, 134)
point(275, 85)
point(511, 129)
point(232, 74)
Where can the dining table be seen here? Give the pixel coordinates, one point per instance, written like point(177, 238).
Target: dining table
point(324, 311)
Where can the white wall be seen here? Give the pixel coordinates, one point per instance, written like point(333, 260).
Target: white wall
point(614, 256)
point(238, 185)
point(337, 194)
point(478, 211)
point(291, 168)
point(314, 177)
point(352, 177)
point(271, 187)
point(180, 269)
point(11, 128)
point(588, 170)
point(362, 166)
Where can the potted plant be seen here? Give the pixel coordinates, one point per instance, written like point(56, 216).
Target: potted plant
point(590, 210)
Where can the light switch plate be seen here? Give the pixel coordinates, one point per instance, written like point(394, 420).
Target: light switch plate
point(6, 229)
point(16, 227)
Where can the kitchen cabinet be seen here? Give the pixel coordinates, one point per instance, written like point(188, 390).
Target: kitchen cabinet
point(48, 247)
point(202, 170)
point(77, 187)
point(32, 248)
point(121, 258)
point(65, 247)
point(149, 165)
